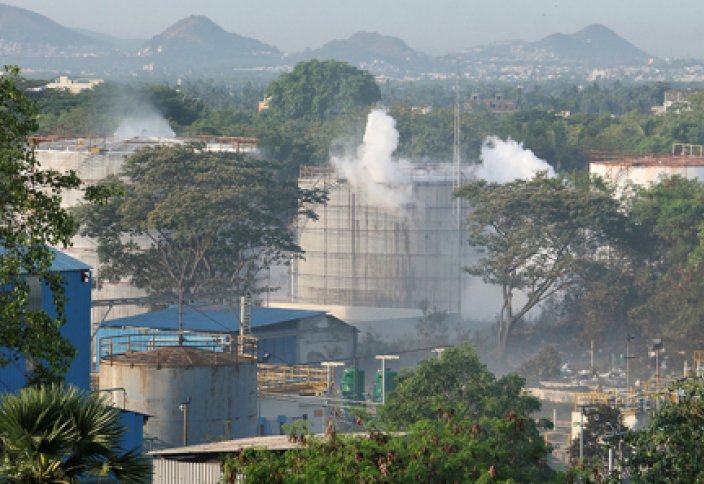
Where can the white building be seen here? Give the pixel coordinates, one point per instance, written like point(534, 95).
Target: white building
point(63, 83)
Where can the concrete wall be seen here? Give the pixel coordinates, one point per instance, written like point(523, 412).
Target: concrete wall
point(223, 399)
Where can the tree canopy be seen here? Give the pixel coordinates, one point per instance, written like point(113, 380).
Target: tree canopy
point(321, 89)
point(191, 225)
point(461, 424)
point(669, 449)
point(31, 219)
point(57, 434)
point(535, 237)
point(459, 382)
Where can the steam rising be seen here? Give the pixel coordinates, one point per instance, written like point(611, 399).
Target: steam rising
point(372, 167)
point(148, 125)
point(506, 161)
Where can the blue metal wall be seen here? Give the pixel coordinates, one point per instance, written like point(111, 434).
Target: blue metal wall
point(76, 330)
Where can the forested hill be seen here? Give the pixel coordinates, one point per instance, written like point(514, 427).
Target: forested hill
point(594, 45)
point(373, 51)
point(25, 32)
point(198, 42)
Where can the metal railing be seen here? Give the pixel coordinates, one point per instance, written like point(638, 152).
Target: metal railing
point(280, 378)
point(236, 345)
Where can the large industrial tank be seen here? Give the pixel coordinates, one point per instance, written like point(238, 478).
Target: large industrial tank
point(647, 170)
point(190, 392)
point(361, 253)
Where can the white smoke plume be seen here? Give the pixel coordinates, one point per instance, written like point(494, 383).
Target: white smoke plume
point(144, 126)
point(372, 168)
point(506, 161)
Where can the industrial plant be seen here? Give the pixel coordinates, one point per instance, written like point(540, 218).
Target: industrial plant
point(361, 252)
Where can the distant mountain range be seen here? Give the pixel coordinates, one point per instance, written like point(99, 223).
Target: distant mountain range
point(196, 45)
point(594, 45)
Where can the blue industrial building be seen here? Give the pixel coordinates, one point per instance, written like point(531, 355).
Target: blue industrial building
point(285, 336)
point(77, 286)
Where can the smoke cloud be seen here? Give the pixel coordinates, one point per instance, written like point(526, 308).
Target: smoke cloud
point(146, 125)
point(372, 167)
point(506, 161)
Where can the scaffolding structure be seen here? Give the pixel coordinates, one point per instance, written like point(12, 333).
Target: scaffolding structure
point(361, 253)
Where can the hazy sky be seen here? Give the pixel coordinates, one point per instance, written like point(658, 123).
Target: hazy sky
point(663, 28)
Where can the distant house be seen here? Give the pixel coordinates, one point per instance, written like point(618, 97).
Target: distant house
point(497, 104)
point(285, 336)
point(77, 286)
point(63, 83)
point(676, 101)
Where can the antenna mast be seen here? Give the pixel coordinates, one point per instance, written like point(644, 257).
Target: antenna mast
point(456, 184)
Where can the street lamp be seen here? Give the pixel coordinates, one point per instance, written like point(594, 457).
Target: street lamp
point(438, 351)
point(383, 359)
point(329, 365)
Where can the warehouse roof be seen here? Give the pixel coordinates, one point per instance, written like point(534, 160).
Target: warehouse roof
point(267, 442)
point(209, 318)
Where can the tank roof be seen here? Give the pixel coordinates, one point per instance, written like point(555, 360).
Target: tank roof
point(175, 357)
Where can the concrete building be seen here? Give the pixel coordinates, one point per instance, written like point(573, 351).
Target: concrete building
point(64, 83)
point(77, 289)
point(686, 161)
point(93, 160)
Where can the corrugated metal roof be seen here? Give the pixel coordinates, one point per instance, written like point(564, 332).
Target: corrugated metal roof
point(62, 262)
point(65, 263)
point(209, 319)
point(268, 442)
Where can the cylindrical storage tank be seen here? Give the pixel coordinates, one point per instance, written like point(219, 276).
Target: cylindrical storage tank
point(362, 253)
point(216, 390)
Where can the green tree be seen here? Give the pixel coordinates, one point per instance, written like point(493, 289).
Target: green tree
point(31, 219)
point(603, 424)
point(544, 365)
point(450, 450)
point(56, 434)
point(319, 90)
point(459, 382)
point(535, 235)
point(670, 448)
point(192, 225)
point(671, 215)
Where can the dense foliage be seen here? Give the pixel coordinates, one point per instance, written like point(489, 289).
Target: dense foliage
point(461, 424)
point(195, 225)
point(55, 434)
point(31, 219)
point(459, 382)
point(535, 238)
point(670, 448)
point(319, 90)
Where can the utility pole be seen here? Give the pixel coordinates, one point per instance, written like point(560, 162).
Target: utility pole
point(456, 184)
point(383, 359)
point(629, 338)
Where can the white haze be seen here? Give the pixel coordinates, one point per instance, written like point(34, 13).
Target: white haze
point(151, 125)
point(372, 168)
point(506, 161)
point(387, 182)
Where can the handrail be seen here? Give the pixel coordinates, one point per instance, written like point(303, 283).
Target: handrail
point(237, 345)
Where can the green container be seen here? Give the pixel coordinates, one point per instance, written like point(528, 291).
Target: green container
point(352, 386)
point(390, 382)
